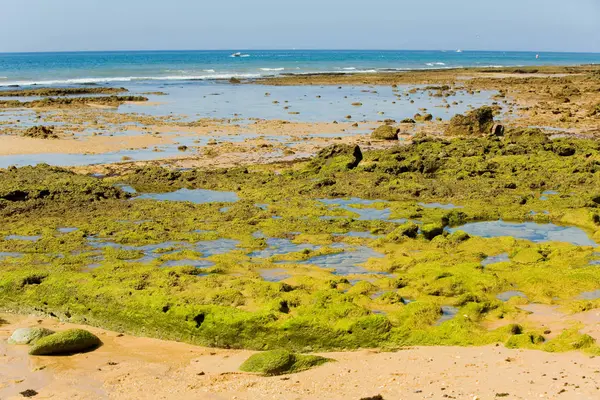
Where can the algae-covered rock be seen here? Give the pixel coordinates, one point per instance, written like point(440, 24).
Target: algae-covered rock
point(458, 237)
point(28, 335)
point(279, 362)
point(529, 136)
point(41, 132)
point(385, 132)
point(407, 230)
point(430, 231)
point(338, 157)
point(66, 342)
point(423, 118)
point(476, 122)
point(528, 256)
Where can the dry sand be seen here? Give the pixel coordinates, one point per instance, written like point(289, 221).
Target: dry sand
point(128, 367)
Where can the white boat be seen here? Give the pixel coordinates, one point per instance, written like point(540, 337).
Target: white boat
point(459, 51)
point(236, 55)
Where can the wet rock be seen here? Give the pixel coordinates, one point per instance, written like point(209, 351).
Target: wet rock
point(66, 342)
point(408, 121)
point(234, 81)
point(377, 397)
point(41, 132)
point(497, 130)
point(525, 136)
point(476, 122)
point(423, 118)
point(385, 132)
point(24, 336)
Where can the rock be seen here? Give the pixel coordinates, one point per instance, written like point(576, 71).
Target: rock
point(235, 81)
point(476, 122)
point(66, 342)
point(497, 130)
point(41, 132)
point(338, 157)
point(378, 397)
point(430, 231)
point(29, 393)
point(423, 118)
point(407, 230)
point(526, 136)
point(385, 132)
point(279, 362)
point(28, 335)
point(564, 149)
point(408, 121)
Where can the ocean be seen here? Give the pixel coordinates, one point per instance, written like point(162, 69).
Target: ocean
point(130, 66)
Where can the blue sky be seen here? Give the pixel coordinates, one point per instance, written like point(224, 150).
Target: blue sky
point(65, 25)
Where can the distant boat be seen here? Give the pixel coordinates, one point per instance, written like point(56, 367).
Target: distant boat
point(236, 55)
point(537, 56)
point(459, 51)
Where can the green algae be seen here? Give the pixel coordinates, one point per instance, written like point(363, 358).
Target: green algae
point(229, 305)
point(280, 362)
point(66, 342)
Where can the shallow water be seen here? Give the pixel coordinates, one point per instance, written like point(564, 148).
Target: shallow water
point(362, 235)
point(344, 263)
point(274, 275)
point(197, 196)
point(448, 312)
point(4, 254)
point(190, 263)
point(67, 230)
point(506, 296)
point(593, 295)
point(24, 238)
point(364, 214)
point(278, 246)
point(496, 259)
point(529, 231)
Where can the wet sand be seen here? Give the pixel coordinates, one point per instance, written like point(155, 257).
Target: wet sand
point(128, 367)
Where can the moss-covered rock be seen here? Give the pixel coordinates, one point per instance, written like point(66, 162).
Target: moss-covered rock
point(423, 117)
point(476, 122)
point(385, 132)
point(337, 157)
point(430, 231)
point(28, 335)
point(407, 230)
point(528, 256)
point(41, 132)
point(279, 362)
point(66, 342)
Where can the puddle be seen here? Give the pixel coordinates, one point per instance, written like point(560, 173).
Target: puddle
point(363, 235)
point(67, 230)
point(24, 238)
point(4, 254)
point(344, 263)
point(531, 231)
point(274, 275)
point(448, 312)
point(440, 205)
point(126, 188)
point(506, 296)
point(196, 196)
point(189, 263)
point(281, 246)
point(496, 259)
point(364, 214)
point(594, 295)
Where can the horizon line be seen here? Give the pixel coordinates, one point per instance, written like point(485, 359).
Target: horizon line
point(294, 49)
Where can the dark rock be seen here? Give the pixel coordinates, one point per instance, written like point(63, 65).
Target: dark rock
point(41, 132)
point(29, 393)
point(338, 157)
point(497, 130)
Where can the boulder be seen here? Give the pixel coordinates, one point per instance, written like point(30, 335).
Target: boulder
point(497, 130)
point(279, 362)
point(66, 342)
point(385, 132)
point(408, 121)
point(430, 231)
point(423, 118)
point(28, 335)
point(41, 132)
point(476, 122)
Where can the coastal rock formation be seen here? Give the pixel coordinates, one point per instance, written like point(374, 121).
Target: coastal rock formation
point(28, 335)
point(41, 132)
point(476, 122)
point(279, 362)
point(423, 118)
point(66, 342)
point(385, 132)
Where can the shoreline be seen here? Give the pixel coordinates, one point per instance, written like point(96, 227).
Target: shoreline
point(129, 367)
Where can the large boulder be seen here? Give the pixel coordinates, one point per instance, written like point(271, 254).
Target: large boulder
point(338, 157)
point(279, 362)
point(476, 122)
point(385, 132)
point(66, 342)
point(28, 335)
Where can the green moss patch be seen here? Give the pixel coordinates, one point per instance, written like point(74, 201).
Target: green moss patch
point(280, 362)
point(66, 342)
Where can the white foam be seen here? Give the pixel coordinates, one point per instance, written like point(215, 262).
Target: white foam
point(79, 81)
point(350, 69)
point(209, 70)
point(272, 69)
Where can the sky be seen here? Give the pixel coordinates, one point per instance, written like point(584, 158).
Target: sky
point(92, 25)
